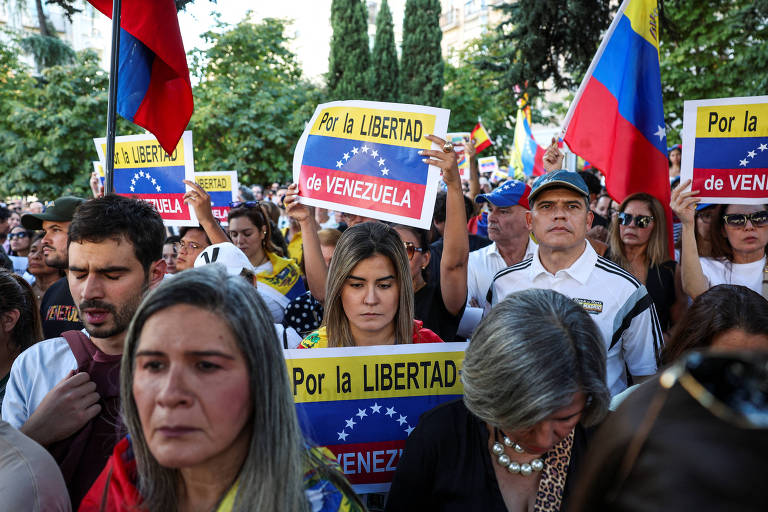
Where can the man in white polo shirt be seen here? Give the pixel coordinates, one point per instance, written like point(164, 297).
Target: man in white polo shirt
point(619, 304)
point(507, 229)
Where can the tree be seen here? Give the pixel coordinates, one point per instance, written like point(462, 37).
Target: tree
point(384, 69)
point(711, 49)
point(250, 103)
point(349, 59)
point(47, 125)
point(421, 76)
point(546, 45)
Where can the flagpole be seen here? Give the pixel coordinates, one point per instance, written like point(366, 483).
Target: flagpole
point(112, 100)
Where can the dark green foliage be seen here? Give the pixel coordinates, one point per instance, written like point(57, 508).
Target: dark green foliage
point(250, 103)
point(546, 44)
point(421, 74)
point(711, 49)
point(47, 125)
point(384, 69)
point(47, 50)
point(348, 63)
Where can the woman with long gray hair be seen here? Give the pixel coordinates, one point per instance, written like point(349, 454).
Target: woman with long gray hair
point(534, 378)
point(207, 404)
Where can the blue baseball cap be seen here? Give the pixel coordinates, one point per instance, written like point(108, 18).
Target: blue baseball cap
point(562, 179)
point(510, 193)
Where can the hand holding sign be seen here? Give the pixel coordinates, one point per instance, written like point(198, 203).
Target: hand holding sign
point(294, 209)
point(684, 203)
point(445, 161)
point(553, 157)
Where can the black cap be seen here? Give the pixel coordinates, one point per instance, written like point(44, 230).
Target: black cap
point(62, 210)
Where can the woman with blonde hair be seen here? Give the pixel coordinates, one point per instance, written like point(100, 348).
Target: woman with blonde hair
point(638, 242)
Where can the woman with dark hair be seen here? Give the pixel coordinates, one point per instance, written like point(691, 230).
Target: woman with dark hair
point(44, 275)
point(738, 240)
point(19, 322)
point(534, 377)
point(638, 243)
point(19, 240)
point(209, 411)
point(673, 158)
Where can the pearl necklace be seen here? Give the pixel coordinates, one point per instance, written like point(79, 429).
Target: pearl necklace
point(504, 460)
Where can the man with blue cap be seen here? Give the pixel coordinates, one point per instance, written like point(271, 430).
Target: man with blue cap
point(564, 261)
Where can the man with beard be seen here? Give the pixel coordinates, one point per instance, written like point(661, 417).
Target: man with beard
point(57, 309)
point(64, 392)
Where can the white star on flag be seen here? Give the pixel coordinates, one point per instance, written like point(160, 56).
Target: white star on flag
point(374, 153)
point(354, 151)
point(135, 176)
point(339, 164)
point(154, 181)
point(381, 161)
point(409, 430)
point(158, 188)
point(141, 173)
point(661, 132)
point(763, 147)
point(351, 423)
point(743, 163)
point(390, 411)
point(751, 154)
point(133, 182)
point(365, 149)
point(402, 419)
point(346, 156)
point(132, 189)
point(375, 408)
point(384, 171)
point(361, 413)
point(342, 435)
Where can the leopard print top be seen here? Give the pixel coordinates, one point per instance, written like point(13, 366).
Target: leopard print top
point(550, 492)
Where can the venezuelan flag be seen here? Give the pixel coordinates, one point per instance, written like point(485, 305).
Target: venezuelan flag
point(482, 139)
point(153, 88)
point(527, 155)
point(616, 120)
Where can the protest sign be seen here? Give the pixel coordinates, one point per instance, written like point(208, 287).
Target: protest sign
point(488, 164)
point(144, 170)
point(362, 157)
point(98, 168)
point(363, 402)
point(222, 188)
point(725, 149)
point(458, 139)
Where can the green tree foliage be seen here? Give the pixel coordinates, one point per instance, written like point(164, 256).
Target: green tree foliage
point(47, 125)
point(421, 75)
point(384, 68)
point(546, 45)
point(349, 60)
point(711, 49)
point(250, 103)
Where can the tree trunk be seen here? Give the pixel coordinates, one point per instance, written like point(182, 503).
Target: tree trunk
point(41, 18)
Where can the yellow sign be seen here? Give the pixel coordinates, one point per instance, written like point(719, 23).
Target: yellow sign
point(732, 121)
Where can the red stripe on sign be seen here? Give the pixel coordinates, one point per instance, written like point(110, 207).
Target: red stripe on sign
point(731, 182)
point(379, 194)
point(221, 213)
point(169, 206)
point(369, 463)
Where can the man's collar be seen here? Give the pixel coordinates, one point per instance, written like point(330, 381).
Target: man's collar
point(580, 270)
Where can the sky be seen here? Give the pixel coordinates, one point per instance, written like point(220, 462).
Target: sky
point(310, 30)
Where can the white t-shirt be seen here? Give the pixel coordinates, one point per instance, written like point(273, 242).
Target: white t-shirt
point(721, 271)
point(484, 263)
point(617, 302)
point(33, 374)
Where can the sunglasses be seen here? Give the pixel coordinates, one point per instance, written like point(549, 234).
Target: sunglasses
point(244, 204)
point(641, 221)
point(740, 219)
point(17, 235)
point(411, 249)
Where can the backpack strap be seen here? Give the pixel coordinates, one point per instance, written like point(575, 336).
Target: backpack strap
point(78, 344)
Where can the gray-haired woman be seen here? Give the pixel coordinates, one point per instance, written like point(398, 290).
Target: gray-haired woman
point(207, 403)
point(534, 377)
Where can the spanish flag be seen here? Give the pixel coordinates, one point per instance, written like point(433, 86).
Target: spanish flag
point(482, 140)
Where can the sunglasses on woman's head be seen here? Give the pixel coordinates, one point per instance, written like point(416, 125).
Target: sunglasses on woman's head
point(740, 219)
point(244, 204)
point(641, 221)
point(17, 235)
point(411, 249)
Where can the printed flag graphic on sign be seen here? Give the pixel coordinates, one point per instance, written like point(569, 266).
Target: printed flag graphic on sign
point(363, 402)
point(725, 149)
point(363, 157)
point(222, 188)
point(153, 89)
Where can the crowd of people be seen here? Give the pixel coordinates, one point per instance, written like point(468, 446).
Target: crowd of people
point(142, 368)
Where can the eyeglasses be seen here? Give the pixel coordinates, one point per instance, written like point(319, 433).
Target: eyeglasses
point(411, 249)
point(189, 245)
point(17, 235)
point(641, 221)
point(740, 219)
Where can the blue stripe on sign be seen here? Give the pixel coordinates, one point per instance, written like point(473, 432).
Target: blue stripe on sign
point(728, 153)
point(146, 181)
point(133, 76)
point(220, 198)
point(366, 158)
point(325, 423)
point(629, 69)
